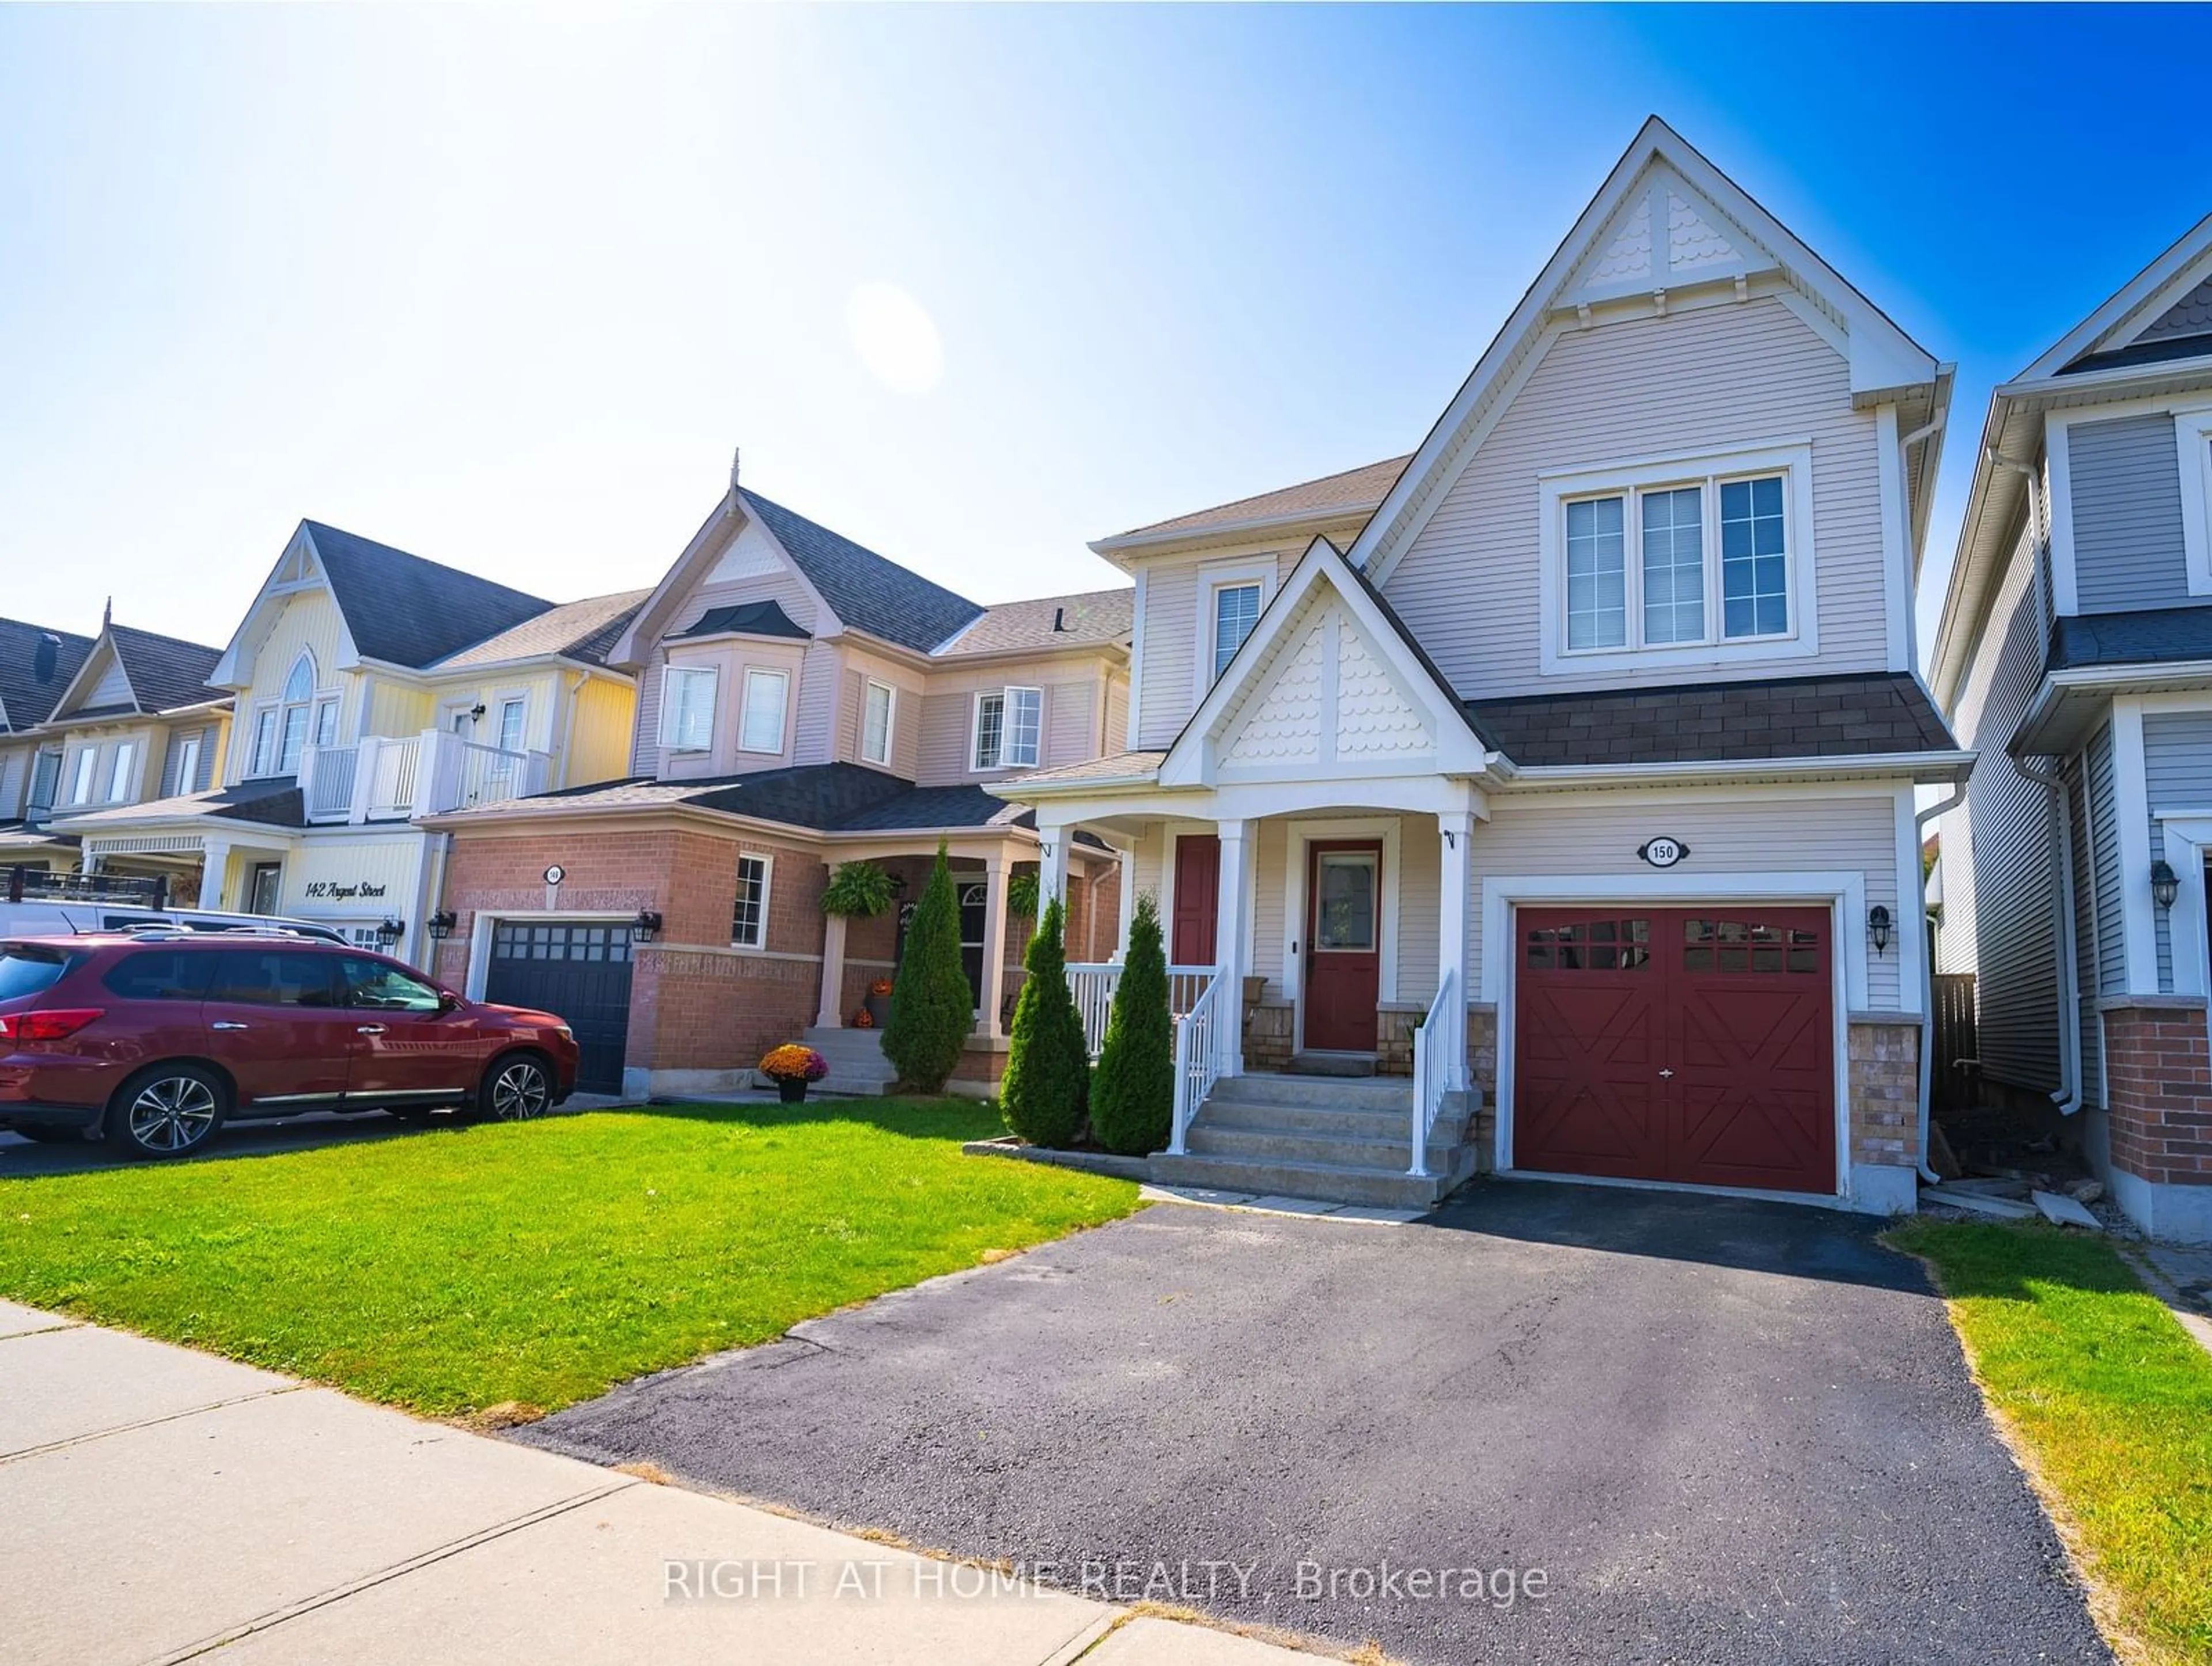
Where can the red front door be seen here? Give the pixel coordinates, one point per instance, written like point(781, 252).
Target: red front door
point(1344, 960)
point(1693, 1045)
point(1197, 899)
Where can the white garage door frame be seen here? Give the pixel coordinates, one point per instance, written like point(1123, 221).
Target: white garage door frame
point(1842, 892)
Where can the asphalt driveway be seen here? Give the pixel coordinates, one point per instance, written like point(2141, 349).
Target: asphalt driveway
point(1658, 1428)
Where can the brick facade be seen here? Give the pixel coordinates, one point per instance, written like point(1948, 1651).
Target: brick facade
point(1882, 1076)
point(2158, 1076)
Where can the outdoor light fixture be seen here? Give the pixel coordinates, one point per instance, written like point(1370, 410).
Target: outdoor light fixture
point(389, 931)
point(646, 927)
point(2165, 884)
point(476, 712)
point(442, 924)
point(1878, 927)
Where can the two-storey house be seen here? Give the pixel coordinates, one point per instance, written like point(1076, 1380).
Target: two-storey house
point(2076, 654)
point(1568, 765)
point(37, 665)
point(372, 688)
point(803, 701)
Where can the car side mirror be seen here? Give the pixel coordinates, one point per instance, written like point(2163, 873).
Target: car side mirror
point(448, 1001)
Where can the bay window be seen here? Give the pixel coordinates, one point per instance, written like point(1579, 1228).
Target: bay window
point(768, 694)
point(687, 708)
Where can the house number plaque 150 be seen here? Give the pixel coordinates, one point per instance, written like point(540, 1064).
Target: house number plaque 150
point(1662, 851)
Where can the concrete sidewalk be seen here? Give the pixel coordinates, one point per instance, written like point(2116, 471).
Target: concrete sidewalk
point(158, 1505)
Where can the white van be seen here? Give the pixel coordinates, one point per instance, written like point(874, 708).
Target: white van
point(57, 917)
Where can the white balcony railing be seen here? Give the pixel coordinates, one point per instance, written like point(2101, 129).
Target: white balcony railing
point(1091, 984)
point(396, 778)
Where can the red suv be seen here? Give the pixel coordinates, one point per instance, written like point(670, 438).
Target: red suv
point(157, 1039)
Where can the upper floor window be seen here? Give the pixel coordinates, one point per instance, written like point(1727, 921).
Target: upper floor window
point(1009, 725)
point(118, 772)
point(877, 700)
point(1682, 562)
point(687, 709)
point(282, 731)
point(511, 713)
point(749, 919)
point(87, 772)
point(768, 694)
point(188, 764)
point(1236, 610)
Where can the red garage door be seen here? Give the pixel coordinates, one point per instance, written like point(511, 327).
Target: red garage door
point(1692, 1045)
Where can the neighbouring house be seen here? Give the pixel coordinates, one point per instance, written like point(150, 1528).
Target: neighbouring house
point(802, 701)
point(37, 665)
point(2075, 655)
point(139, 722)
point(372, 688)
point(1562, 775)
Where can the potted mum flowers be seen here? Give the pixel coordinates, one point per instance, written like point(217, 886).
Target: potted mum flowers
point(790, 1066)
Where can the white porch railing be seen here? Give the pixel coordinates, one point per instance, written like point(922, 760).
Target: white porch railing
point(1204, 1038)
point(1433, 1046)
point(326, 775)
point(1092, 983)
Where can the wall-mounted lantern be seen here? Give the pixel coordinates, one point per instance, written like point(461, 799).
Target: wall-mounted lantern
point(389, 931)
point(2165, 884)
point(442, 924)
point(1878, 924)
point(645, 927)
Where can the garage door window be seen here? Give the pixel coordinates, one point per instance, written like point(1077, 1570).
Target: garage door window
point(1748, 945)
point(1591, 945)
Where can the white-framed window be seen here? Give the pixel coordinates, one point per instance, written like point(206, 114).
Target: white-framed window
point(877, 701)
point(511, 713)
point(2192, 433)
point(326, 722)
point(188, 764)
point(1680, 561)
point(1236, 610)
point(768, 697)
point(264, 762)
point(87, 773)
point(1009, 728)
point(749, 917)
point(118, 772)
point(687, 708)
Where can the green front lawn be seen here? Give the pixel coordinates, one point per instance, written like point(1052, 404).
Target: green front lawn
point(539, 1262)
point(2111, 1404)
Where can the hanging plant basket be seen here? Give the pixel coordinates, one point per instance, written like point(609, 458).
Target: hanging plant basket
point(858, 890)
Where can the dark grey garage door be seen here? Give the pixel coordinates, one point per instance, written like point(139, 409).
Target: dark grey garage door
point(578, 970)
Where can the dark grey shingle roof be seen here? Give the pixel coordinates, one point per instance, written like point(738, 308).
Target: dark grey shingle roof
point(753, 618)
point(2149, 637)
point(826, 798)
point(864, 589)
point(1789, 717)
point(165, 671)
point(410, 611)
point(34, 670)
point(274, 802)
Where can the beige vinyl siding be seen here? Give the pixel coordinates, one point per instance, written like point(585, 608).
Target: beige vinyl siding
point(1067, 734)
point(202, 775)
point(2177, 776)
point(1117, 716)
point(1071, 723)
point(1727, 837)
point(1170, 635)
point(113, 688)
point(815, 693)
point(1271, 843)
point(2011, 849)
point(2125, 478)
point(1693, 381)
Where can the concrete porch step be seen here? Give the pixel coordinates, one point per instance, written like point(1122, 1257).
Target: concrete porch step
point(1387, 1124)
point(1386, 1187)
point(857, 1064)
point(1333, 1093)
point(1340, 1148)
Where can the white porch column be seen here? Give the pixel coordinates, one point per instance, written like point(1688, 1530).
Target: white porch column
point(832, 1013)
point(214, 864)
point(1128, 856)
point(1231, 926)
point(89, 862)
point(1457, 827)
point(1052, 863)
point(994, 942)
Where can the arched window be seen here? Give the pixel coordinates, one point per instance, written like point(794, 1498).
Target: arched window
point(282, 730)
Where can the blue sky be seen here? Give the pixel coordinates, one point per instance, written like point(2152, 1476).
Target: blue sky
point(504, 286)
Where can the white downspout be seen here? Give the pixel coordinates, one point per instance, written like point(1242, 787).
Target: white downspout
point(1920, 820)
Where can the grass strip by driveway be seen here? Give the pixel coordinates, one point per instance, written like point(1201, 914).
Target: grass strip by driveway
point(539, 1262)
point(2110, 1403)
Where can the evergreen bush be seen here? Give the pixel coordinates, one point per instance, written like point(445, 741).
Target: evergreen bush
point(1048, 1076)
point(933, 1008)
point(1133, 1100)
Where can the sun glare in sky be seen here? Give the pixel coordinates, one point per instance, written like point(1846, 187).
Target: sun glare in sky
point(894, 337)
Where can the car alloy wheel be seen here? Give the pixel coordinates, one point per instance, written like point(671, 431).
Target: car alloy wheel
point(519, 1090)
point(172, 1114)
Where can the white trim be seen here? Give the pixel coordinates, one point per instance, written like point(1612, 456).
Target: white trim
point(1707, 471)
point(1004, 696)
point(745, 711)
point(1842, 889)
point(2192, 440)
point(1136, 717)
point(868, 686)
point(766, 860)
point(1214, 577)
point(2131, 811)
point(1389, 831)
point(1896, 536)
point(1908, 919)
point(2175, 262)
point(2058, 502)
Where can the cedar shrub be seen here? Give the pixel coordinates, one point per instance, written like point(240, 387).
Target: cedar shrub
point(1133, 1101)
point(933, 1008)
point(1048, 1076)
